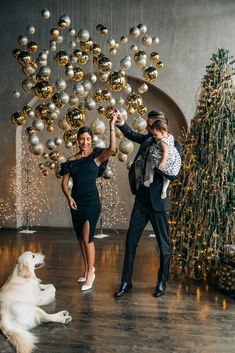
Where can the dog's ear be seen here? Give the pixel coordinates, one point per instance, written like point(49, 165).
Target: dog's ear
point(24, 271)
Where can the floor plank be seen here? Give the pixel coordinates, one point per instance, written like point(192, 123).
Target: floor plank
point(190, 318)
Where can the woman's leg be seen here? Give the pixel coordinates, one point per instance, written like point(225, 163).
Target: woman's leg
point(82, 247)
point(89, 248)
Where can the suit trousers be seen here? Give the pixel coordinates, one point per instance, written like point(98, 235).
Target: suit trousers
point(142, 213)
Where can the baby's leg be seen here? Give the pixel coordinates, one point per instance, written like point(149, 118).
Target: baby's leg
point(166, 183)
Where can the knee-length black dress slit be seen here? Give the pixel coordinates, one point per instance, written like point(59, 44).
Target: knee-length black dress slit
point(84, 172)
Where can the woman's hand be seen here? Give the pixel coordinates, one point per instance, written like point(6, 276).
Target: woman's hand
point(113, 120)
point(72, 203)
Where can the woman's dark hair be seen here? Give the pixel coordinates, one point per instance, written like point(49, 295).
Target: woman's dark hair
point(159, 125)
point(84, 129)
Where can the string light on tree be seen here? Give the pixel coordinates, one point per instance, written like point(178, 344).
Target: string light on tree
point(202, 216)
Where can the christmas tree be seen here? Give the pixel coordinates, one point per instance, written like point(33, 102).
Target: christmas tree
point(202, 197)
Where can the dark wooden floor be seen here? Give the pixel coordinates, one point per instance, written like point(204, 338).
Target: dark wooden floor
point(190, 318)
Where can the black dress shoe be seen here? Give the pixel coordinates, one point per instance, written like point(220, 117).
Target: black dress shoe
point(160, 289)
point(124, 289)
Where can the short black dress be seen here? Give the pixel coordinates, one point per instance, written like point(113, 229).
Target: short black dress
point(84, 172)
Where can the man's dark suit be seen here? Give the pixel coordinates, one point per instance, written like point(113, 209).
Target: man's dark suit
point(148, 206)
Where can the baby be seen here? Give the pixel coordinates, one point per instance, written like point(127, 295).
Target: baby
point(162, 155)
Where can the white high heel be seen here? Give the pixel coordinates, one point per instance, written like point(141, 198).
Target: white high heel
point(82, 279)
point(85, 286)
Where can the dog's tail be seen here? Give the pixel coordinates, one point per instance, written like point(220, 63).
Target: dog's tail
point(22, 340)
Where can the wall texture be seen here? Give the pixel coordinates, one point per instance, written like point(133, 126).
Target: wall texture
point(189, 31)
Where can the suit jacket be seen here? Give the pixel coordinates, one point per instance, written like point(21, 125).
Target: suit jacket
point(156, 186)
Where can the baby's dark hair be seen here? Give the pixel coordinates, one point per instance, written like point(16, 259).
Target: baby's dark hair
point(159, 125)
point(84, 129)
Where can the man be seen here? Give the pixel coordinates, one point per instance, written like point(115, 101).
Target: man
point(148, 206)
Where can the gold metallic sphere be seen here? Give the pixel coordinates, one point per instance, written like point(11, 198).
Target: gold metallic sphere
point(85, 46)
point(150, 74)
point(43, 90)
point(75, 117)
point(95, 49)
point(78, 74)
point(18, 118)
point(32, 47)
point(104, 64)
point(24, 58)
point(134, 100)
point(116, 81)
point(97, 96)
point(142, 109)
point(61, 58)
point(83, 59)
point(42, 111)
point(30, 130)
point(154, 57)
point(70, 136)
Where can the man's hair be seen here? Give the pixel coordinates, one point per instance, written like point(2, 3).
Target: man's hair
point(159, 125)
point(158, 115)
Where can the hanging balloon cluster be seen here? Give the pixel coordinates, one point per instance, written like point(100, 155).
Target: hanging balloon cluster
point(65, 100)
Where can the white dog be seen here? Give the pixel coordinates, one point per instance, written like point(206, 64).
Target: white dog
point(19, 300)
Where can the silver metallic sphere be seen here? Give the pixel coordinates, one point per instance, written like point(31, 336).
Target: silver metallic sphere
point(58, 141)
point(30, 29)
point(50, 144)
point(38, 125)
point(60, 84)
point(83, 35)
point(72, 32)
point(33, 139)
point(45, 14)
point(23, 40)
point(16, 94)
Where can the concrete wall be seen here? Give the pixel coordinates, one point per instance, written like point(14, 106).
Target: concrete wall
point(189, 31)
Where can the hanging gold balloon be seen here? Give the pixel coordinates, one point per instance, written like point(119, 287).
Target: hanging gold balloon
point(78, 74)
point(108, 112)
point(54, 155)
point(42, 111)
point(61, 58)
point(85, 46)
point(18, 118)
point(77, 53)
point(24, 58)
point(133, 100)
point(160, 64)
point(95, 49)
point(142, 109)
point(104, 64)
point(116, 81)
point(43, 90)
point(16, 53)
point(154, 57)
point(75, 117)
point(150, 74)
point(30, 130)
point(97, 96)
point(101, 109)
point(70, 136)
point(83, 60)
point(106, 94)
point(32, 47)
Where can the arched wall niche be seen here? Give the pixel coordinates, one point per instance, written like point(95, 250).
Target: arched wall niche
point(154, 99)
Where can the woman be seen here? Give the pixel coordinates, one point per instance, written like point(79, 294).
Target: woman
point(84, 201)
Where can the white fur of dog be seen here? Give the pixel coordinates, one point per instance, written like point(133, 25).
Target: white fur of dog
point(20, 298)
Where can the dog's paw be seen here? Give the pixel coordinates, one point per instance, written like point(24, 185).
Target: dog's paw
point(66, 317)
